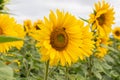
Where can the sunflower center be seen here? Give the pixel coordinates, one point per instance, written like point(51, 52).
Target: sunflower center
point(1, 31)
point(59, 39)
point(117, 33)
point(101, 19)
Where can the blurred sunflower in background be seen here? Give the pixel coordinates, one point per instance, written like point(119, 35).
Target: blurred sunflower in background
point(116, 32)
point(61, 39)
point(27, 26)
point(9, 27)
point(102, 18)
point(101, 45)
point(37, 24)
point(30, 27)
point(20, 34)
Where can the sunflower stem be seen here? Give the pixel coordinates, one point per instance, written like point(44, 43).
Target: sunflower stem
point(66, 73)
point(46, 70)
point(90, 61)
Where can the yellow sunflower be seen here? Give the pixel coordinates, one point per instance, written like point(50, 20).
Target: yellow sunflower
point(30, 27)
point(63, 39)
point(9, 27)
point(116, 32)
point(101, 45)
point(19, 33)
point(102, 18)
point(37, 24)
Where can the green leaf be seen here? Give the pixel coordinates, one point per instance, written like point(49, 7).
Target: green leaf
point(9, 39)
point(109, 59)
point(4, 12)
point(6, 73)
point(78, 77)
point(114, 73)
point(106, 66)
point(110, 48)
point(98, 75)
point(94, 11)
point(98, 66)
point(84, 19)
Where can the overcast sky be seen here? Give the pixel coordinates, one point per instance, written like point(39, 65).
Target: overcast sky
point(37, 9)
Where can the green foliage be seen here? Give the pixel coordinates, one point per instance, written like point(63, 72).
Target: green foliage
point(3, 9)
point(6, 72)
point(30, 66)
point(113, 59)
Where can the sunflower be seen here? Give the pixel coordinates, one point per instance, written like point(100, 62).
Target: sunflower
point(116, 32)
point(9, 27)
point(101, 44)
point(37, 24)
point(62, 37)
point(19, 30)
point(102, 18)
point(30, 27)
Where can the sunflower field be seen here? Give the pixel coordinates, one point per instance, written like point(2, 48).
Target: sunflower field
point(61, 46)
